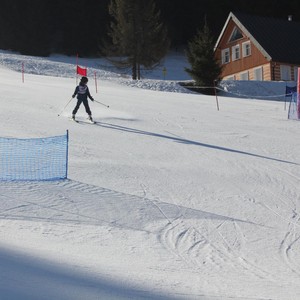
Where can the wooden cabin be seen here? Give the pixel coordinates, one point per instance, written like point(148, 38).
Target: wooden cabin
point(259, 48)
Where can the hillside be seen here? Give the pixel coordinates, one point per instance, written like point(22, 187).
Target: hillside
point(166, 197)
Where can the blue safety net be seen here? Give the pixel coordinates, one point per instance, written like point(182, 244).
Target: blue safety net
point(34, 159)
point(294, 108)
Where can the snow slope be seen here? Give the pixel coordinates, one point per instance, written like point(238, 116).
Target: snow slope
point(167, 197)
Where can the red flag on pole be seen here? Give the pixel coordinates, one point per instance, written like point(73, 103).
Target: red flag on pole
point(81, 71)
point(96, 82)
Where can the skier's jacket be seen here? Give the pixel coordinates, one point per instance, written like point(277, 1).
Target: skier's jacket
point(82, 92)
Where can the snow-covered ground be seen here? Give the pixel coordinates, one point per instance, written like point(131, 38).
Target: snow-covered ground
point(167, 197)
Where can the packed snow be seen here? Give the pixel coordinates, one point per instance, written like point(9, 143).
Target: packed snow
point(167, 196)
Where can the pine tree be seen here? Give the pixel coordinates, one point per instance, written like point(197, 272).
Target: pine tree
point(205, 68)
point(137, 35)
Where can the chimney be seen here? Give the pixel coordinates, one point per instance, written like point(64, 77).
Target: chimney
point(290, 17)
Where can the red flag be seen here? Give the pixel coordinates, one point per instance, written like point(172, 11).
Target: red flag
point(81, 71)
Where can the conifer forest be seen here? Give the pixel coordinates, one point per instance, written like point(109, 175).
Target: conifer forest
point(74, 26)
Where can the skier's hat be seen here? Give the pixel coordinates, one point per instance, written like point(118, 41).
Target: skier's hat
point(84, 79)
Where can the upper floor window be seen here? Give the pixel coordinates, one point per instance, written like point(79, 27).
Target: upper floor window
point(246, 49)
point(236, 52)
point(235, 35)
point(225, 56)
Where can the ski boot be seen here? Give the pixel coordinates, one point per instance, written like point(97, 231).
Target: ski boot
point(91, 119)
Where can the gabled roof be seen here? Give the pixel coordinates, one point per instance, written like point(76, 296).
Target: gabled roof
point(277, 39)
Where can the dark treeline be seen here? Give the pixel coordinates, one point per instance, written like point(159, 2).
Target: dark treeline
point(74, 26)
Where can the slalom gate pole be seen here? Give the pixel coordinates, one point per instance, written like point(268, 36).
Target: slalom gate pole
point(102, 103)
point(23, 72)
point(216, 95)
point(65, 107)
point(298, 94)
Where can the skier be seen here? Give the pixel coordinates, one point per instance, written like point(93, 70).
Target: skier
point(82, 92)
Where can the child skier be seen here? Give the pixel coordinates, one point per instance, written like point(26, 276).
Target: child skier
point(82, 92)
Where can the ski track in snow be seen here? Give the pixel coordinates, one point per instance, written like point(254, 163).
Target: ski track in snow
point(195, 249)
point(52, 203)
point(288, 213)
point(190, 244)
point(66, 205)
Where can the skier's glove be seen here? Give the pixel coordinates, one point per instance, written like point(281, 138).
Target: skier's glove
point(92, 99)
point(73, 96)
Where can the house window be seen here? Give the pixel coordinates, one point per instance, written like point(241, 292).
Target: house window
point(258, 73)
point(246, 49)
point(236, 52)
point(225, 56)
point(232, 77)
point(244, 76)
point(235, 35)
point(285, 72)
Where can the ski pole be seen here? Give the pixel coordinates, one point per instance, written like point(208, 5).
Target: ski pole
point(101, 103)
point(65, 107)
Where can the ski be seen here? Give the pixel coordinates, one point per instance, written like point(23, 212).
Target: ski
point(71, 119)
point(83, 122)
point(90, 121)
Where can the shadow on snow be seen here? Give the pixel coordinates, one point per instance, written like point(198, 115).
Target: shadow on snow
point(189, 142)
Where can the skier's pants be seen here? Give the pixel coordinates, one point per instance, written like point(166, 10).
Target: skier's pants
point(86, 105)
